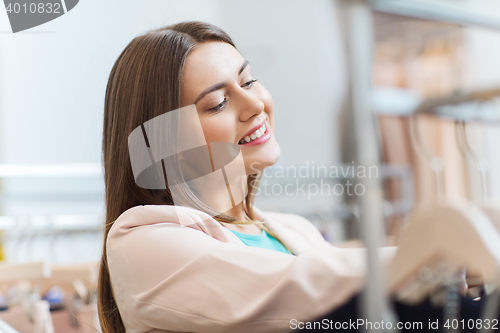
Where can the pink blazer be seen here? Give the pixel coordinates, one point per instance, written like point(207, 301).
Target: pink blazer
point(175, 269)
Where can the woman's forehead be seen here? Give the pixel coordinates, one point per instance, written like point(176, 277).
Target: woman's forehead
point(210, 63)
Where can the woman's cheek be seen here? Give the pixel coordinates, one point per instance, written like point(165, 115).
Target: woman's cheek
point(217, 130)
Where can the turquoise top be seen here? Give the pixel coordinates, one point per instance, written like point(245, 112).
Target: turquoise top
point(263, 240)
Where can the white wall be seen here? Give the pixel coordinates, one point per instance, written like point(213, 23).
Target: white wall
point(54, 76)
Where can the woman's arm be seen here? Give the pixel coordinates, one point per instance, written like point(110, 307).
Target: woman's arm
point(177, 278)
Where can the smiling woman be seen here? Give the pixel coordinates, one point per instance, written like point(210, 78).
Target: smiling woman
point(247, 105)
point(176, 268)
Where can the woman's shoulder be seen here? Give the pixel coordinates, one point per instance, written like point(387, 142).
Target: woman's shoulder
point(140, 217)
point(159, 216)
point(151, 214)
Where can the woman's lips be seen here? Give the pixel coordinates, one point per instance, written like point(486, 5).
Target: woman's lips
point(252, 131)
point(263, 138)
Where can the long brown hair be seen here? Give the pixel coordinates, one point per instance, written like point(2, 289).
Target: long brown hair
point(144, 83)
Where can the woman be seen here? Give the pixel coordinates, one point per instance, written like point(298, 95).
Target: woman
point(175, 268)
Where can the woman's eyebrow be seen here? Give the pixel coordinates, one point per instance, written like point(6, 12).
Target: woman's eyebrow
point(210, 89)
point(243, 67)
point(218, 85)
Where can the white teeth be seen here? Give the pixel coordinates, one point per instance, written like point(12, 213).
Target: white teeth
point(255, 135)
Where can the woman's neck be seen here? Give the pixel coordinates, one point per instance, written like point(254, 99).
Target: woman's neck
point(238, 212)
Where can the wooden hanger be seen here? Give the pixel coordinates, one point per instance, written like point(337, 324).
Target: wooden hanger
point(6, 328)
point(455, 233)
point(458, 233)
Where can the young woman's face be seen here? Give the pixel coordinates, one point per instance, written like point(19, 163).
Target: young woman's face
point(232, 107)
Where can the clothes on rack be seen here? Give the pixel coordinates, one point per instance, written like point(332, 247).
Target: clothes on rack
point(423, 317)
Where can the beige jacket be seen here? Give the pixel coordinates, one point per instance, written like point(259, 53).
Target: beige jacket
point(176, 269)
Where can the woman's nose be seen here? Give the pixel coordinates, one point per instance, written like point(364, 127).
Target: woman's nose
point(250, 106)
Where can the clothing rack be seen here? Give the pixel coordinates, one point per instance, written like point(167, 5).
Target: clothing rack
point(359, 27)
point(449, 106)
point(440, 11)
point(31, 210)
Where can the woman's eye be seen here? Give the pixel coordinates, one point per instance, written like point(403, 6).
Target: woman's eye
point(219, 107)
point(249, 83)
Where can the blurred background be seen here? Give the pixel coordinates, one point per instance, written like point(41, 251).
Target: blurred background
point(53, 79)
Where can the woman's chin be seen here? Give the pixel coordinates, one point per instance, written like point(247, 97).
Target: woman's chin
point(262, 160)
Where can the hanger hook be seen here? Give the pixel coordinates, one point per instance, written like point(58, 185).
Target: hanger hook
point(480, 164)
point(435, 162)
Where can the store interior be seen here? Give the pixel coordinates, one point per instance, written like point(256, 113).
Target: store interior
point(402, 102)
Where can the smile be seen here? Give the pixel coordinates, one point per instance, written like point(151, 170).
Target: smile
point(259, 136)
